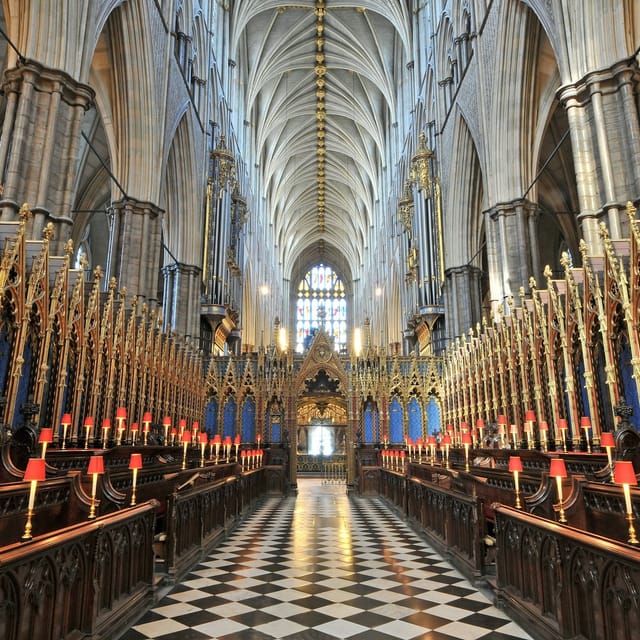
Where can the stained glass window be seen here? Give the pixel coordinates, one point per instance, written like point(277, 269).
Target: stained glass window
point(321, 303)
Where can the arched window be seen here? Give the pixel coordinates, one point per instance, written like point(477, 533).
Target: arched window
point(321, 303)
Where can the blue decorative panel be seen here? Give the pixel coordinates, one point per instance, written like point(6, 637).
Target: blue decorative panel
point(414, 416)
point(249, 420)
point(368, 422)
point(211, 417)
point(23, 386)
point(5, 356)
point(275, 432)
point(433, 417)
point(629, 386)
point(230, 413)
point(396, 435)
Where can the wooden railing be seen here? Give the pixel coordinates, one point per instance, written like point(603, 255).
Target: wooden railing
point(89, 580)
point(452, 521)
point(198, 518)
point(561, 582)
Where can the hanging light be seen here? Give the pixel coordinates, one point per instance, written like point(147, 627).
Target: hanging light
point(420, 168)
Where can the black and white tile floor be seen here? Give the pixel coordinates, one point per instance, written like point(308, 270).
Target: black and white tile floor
point(321, 566)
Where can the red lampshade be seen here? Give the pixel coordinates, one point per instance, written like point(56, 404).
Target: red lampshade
point(66, 419)
point(543, 426)
point(449, 428)
point(432, 440)
point(514, 428)
point(96, 464)
point(146, 417)
point(625, 473)
point(466, 438)
point(135, 461)
point(480, 423)
point(227, 440)
point(135, 427)
point(88, 422)
point(46, 435)
point(502, 419)
point(446, 440)
point(166, 421)
point(530, 416)
point(515, 463)
point(186, 437)
point(195, 426)
point(557, 468)
point(562, 423)
point(585, 422)
point(403, 453)
point(216, 439)
point(182, 423)
point(236, 440)
point(35, 470)
point(419, 442)
point(606, 439)
point(174, 432)
point(204, 438)
point(106, 423)
point(121, 412)
point(410, 441)
point(464, 427)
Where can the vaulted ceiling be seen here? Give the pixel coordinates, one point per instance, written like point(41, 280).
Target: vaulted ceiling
point(321, 83)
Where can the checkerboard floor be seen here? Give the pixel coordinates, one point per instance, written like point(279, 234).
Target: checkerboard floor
point(321, 566)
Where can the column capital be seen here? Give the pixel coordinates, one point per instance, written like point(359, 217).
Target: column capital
point(510, 208)
point(47, 80)
point(136, 206)
point(607, 80)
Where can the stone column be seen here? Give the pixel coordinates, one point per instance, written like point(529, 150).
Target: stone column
point(134, 247)
point(181, 300)
point(605, 137)
point(39, 145)
point(512, 248)
point(463, 304)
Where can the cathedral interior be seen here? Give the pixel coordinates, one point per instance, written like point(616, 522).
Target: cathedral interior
point(388, 248)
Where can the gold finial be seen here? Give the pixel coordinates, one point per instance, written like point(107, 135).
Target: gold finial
point(582, 247)
point(604, 232)
point(123, 292)
point(631, 210)
point(68, 247)
point(532, 283)
point(564, 259)
point(97, 272)
point(25, 212)
point(113, 283)
point(521, 292)
point(548, 274)
point(47, 232)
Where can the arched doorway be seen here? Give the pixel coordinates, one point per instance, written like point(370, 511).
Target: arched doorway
point(322, 442)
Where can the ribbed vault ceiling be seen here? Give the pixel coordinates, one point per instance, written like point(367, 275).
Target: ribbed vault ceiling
point(278, 49)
